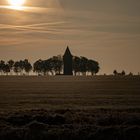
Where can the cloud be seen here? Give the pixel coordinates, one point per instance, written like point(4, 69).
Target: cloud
point(99, 29)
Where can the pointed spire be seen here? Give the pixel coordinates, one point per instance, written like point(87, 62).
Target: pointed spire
point(67, 59)
point(67, 52)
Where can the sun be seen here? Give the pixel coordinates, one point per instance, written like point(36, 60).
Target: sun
point(16, 3)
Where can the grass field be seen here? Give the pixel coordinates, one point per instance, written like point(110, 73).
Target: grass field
point(66, 107)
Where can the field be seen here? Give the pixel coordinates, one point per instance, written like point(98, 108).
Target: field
point(70, 108)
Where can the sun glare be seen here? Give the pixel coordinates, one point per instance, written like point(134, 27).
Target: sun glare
point(16, 4)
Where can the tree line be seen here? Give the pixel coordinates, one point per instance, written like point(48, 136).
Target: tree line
point(123, 73)
point(17, 67)
point(51, 66)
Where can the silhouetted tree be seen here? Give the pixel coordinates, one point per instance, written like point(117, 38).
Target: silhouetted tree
point(21, 65)
point(11, 65)
point(6, 69)
point(123, 73)
point(38, 66)
point(17, 67)
point(51, 66)
point(2, 64)
point(115, 72)
point(130, 74)
point(93, 67)
point(47, 66)
point(83, 65)
point(27, 66)
point(42, 67)
point(57, 63)
point(76, 64)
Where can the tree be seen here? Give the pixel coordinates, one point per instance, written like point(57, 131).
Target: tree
point(38, 66)
point(17, 67)
point(57, 64)
point(27, 66)
point(53, 65)
point(115, 72)
point(21, 66)
point(83, 65)
point(47, 66)
point(93, 67)
point(11, 64)
point(130, 74)
point(76, 64)
point(2, 64)
point(123, 73)
point(6, 69)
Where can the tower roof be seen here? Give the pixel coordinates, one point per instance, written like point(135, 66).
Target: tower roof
point(67, 52)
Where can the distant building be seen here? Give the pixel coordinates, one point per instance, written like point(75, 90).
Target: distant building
point(67, 59)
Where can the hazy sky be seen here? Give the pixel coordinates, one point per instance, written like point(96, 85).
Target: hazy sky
point(105, 30)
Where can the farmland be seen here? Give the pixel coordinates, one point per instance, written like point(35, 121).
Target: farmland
point(68, 107)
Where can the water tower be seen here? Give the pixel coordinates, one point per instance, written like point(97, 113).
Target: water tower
point(67, 59)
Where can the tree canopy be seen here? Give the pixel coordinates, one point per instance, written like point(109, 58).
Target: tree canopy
point(50, 66)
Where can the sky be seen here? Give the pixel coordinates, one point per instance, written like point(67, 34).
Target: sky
point(107, 31)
